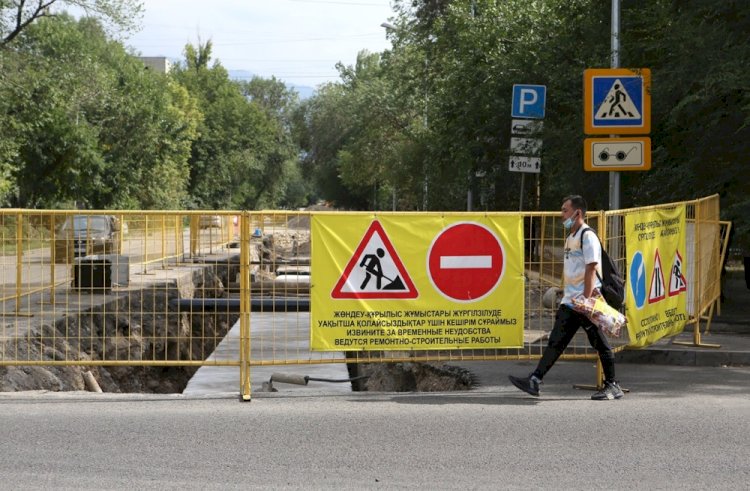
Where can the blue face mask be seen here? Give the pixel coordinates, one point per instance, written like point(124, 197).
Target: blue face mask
point(569, 221)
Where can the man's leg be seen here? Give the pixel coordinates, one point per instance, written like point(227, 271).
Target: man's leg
point(599, 342)
point(566, 325)
point(611, 389)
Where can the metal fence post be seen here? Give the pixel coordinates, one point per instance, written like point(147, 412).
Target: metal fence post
point(19, 259)
point(245, 389)
point(53, 259)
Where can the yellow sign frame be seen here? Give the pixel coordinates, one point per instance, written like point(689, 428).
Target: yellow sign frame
point(588, 101)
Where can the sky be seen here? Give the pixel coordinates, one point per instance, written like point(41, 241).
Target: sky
point(297, 41)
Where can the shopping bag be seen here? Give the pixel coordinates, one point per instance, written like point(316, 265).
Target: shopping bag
point(600, 313)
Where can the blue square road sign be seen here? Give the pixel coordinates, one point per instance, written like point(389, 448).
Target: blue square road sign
point(617, 101)
point(529, 101)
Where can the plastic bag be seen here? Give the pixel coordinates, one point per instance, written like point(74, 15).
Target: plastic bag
point(599, 312)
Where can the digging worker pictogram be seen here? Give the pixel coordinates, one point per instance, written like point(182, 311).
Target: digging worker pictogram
point(372, 266)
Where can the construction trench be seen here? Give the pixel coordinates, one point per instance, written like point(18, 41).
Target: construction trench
point(181, 319)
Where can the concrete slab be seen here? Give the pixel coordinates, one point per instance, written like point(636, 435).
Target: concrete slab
point(220, 379)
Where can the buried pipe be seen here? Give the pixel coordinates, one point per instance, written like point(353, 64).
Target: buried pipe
point(302, 380)
point(277, 304)
point(90, 382)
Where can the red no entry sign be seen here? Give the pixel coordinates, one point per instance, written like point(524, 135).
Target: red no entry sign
point(465, 262)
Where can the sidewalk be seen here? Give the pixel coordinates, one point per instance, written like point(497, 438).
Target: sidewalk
point(730, 330)
point(733, 350)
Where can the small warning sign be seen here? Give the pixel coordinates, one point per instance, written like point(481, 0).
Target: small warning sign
point(375, 270)
point(677, 281)
point(657, 291)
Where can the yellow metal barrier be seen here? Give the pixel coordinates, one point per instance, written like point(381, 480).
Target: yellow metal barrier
point(60, 310)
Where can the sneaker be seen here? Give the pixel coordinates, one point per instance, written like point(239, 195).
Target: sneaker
point(610, 391)
point(530, 384)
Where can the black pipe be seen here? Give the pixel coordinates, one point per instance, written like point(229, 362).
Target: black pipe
point(262, 304)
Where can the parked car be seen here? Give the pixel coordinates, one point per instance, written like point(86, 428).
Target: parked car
point(84, 235)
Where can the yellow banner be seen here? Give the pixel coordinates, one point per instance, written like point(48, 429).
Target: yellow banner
point(657, 287)
point(416, 282)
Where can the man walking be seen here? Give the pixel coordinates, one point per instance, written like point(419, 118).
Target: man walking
point(581, 265)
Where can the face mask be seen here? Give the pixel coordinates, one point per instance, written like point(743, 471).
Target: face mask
point(569, 222)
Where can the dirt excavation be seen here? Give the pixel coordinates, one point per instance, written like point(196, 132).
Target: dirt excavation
point(135, 325)
point(410, 377)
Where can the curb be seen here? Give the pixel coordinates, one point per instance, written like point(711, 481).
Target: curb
point(694, 357)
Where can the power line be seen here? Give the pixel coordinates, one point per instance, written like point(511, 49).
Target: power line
point(340, 2)
point(274, 41)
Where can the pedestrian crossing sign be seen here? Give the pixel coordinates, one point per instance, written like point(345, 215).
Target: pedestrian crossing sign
point(617, 101)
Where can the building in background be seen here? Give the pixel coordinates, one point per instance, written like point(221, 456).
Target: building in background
point(160, 64)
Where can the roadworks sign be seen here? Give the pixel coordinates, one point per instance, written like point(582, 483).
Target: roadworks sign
point(657, 308)
point(405, 281)
point(375, 270)
point(677, 281)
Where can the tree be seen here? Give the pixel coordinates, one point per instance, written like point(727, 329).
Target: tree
point(18, 15)
point(273, 96)
point(352, 140)
point(240, 159)
point(280, 103)
point(90, 124)
point(698, 51)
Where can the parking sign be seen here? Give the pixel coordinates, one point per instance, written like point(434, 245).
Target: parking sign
point(529, 101)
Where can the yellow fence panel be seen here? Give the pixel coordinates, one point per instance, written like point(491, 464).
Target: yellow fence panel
point(109, 291)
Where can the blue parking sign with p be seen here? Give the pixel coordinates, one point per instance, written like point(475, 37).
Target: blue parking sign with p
point(529, 101)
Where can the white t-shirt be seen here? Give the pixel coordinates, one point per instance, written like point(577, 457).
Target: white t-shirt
point(575, 262)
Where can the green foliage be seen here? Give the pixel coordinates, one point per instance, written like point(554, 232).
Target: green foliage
point(425, 124)
point(434, 111)
point(699, 51)
point(18, 15)
point(83, 123)
point(88, 124)
point(243, 155)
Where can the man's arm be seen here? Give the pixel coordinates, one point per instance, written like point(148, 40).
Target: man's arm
point(589, 280)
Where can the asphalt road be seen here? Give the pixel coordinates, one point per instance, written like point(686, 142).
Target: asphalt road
point(679, 428)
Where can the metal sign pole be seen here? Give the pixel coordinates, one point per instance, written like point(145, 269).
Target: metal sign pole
point(614, 177)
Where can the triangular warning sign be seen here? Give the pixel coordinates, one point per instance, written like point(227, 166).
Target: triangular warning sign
point(657, 291)
point(618, 105)
point(375, 271)
point(677, 281)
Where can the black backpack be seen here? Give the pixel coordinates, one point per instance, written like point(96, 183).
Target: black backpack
point(613, 285)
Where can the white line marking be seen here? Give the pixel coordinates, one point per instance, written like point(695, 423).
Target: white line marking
point(465, 262)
